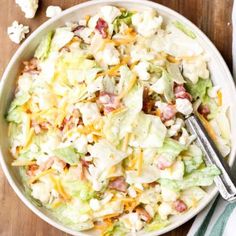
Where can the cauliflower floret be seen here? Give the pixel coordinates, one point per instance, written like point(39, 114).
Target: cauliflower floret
point(175, 128)
point(53, 11)
point(142, 70)
point(109, 13)
point(147, 23)
point(132, 221)
point(184, 106)
point(95, 204)
point(169, 195)
point(17, 32)
point(139, 52)
point(164, 210)
point(29, 7)
point(109, 56)
point(41, 191)
point(90, 112)
point(81, 144)
point(195, 69)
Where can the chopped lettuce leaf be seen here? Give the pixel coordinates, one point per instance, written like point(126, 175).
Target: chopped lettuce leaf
point(192, 158)
point(79, 189)
point(199, 90)
point(43, 48)
point(15, 115)
point(201, 177)
point(156, 224)
point(125, 17)
point(61, 37)
point(184, 29)
point(150, 134)
point(171, 149)
point(174, 72)
point(164, 85)
point(117, 229)
point(68, 155)
point(19, 101)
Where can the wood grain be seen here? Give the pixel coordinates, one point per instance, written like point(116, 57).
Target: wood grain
point(212, 16)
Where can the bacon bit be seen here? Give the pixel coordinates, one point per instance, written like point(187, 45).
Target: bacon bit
point(31, 66)
point(168, 113)
point(180, 92)
point(153, 184)
point(31, 169)
point(143, 214)
point(162, 163)
point(180, 206)
point(109, 102)
point(204, 110)
point(47, 165)
point(118, 184)
point(102, 27)
point(148, 103)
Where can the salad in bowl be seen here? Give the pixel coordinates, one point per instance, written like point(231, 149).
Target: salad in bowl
point(96, 127)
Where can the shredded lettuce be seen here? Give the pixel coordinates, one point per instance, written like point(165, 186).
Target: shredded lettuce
point(150, 134)
point(117, 229)
point(43, 48)
point(68, 155)
point(125, 17)
point(192, 158)
point(156, 224)
point(199, 90)
point(171, 149)
point(19, 101)
point(15, 115)
point(201, 177)
point(184, 29)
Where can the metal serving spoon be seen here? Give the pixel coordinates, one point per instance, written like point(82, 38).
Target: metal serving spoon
point(225, 182)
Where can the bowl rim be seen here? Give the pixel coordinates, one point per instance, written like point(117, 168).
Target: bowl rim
point(74, 8)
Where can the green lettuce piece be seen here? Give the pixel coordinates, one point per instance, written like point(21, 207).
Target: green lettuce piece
point(156, 224)
point(70, 214)
point(199, 90)
point(125, 17)
point(171, 148)
point(149, 131)
point(118, 124)
point(117, 229)
point(77, 188)
point(184, 29)
point(192, 158)
point(68, 155)
point(19, 101)
point(201, 177)
point(15, 115)
point(166, 83)
point(43, 48)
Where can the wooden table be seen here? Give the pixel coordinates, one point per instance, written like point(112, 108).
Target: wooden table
point(212, 16)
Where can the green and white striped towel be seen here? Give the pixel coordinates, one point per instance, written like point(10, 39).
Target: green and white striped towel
point(219, 218)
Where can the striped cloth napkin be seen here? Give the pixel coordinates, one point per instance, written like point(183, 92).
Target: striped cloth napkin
point(219, 218)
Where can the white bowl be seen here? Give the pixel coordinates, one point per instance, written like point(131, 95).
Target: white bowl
point(220, 76)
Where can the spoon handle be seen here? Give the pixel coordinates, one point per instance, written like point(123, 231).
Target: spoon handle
point(225, 181)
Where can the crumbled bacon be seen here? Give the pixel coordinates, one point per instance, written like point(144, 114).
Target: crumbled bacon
point(102, 27)
point(168, 112)
point(180, 92)
point(118, 184)
point(163, 163)
point(31, 66)
point(31, 169)
point(148, 103)
point(109, 102)
point(48, 164)
point(144, 215)
point(204, 110)
point(180, 206)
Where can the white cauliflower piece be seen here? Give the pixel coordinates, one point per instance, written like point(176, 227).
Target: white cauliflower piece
point(109, 13)
point(53, 11)
point(142, 70)
point(41, 191)
point(146, 22)
point(17, 32)
point(29, 7)
point(184, 106)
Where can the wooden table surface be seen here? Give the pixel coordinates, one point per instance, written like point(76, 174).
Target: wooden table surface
point(212, 16)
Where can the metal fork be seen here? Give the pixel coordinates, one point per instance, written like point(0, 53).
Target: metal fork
point(225, 182)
